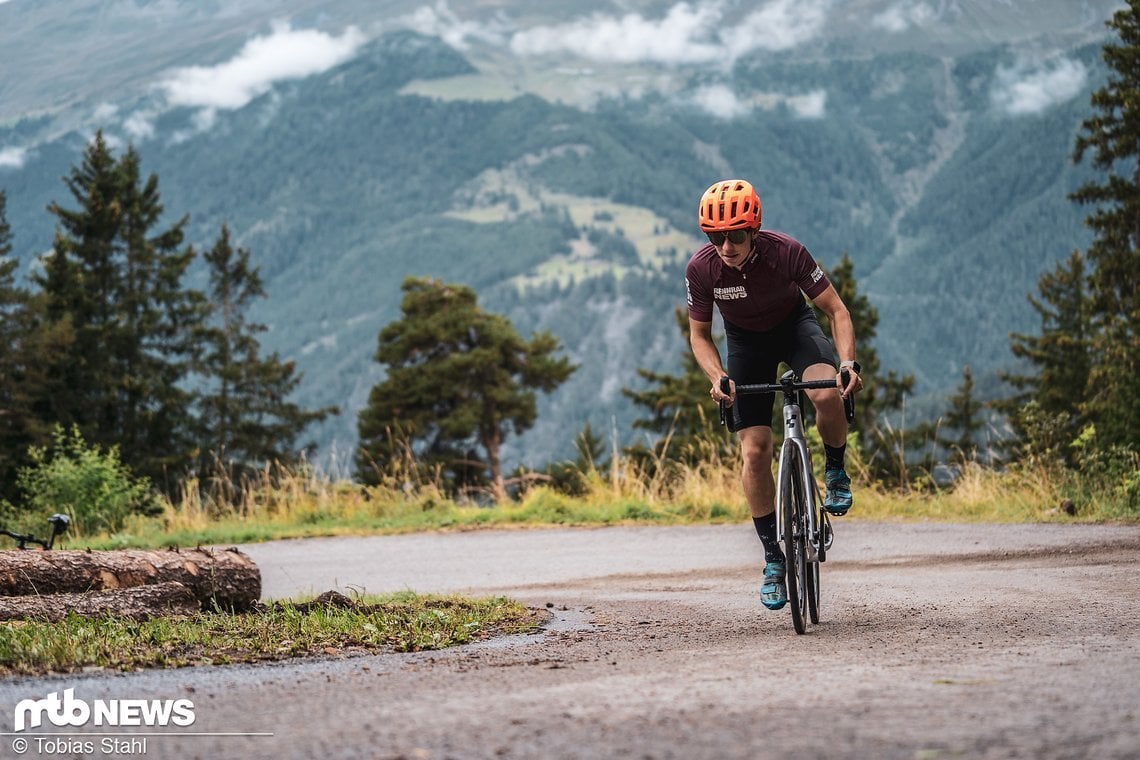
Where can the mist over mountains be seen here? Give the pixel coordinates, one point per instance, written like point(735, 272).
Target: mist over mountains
point(551, 158)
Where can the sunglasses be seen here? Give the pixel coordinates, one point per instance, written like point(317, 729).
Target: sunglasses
point(736, 237)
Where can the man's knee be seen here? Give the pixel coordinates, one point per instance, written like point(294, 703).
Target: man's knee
point(757, 451)
point(826, 402)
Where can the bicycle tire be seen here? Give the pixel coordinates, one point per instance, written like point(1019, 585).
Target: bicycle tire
point(792, 506)
point(813, 591)
point(813, 567)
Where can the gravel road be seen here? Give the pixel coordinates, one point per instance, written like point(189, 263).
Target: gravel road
point(937, 641)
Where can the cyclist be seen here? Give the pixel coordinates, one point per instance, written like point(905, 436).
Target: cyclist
point(759, 279)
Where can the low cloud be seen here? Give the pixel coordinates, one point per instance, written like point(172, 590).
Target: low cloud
point(139, 125)
point(105, 112)
point(722, 102)
point(779, 25)
point(440, 21)
point(283, 54)
point(682, 36)
point(1029, 89)
point(813, 105)
point(902, 16)
point(685, 34)
point(12, 158)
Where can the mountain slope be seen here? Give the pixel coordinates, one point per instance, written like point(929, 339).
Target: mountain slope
point(942, 172)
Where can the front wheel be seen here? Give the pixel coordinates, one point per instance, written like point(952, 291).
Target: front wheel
point(792, 506)
point(821, 543)
point(813, 591)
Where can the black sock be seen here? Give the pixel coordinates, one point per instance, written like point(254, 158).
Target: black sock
point(835, 456)
point(766, 529)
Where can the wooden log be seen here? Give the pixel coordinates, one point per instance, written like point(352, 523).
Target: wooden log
point(226, 578)
point(137, 603)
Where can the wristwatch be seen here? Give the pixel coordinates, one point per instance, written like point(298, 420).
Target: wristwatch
point(852, 364)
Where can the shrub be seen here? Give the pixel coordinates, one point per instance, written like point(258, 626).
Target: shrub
point(92, 486)
point(1111, 472)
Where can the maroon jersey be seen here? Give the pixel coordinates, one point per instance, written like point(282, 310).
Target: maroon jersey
point(759, 295)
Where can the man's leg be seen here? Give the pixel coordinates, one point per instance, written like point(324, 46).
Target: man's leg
point(832, 424)
point(760, 492)
point(759, 486)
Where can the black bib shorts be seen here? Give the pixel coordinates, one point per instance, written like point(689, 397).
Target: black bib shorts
point(754, 357)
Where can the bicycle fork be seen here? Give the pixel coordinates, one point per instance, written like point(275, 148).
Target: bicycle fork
point(808, 530)
point(818, 536)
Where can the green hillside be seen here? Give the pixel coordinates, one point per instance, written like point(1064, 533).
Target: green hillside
point(579, 220)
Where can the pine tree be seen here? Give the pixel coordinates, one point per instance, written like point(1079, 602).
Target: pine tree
point(115, 283)
point(11, 299)
point(28, 347)
point(685, 423)
point(1113, 136)
point(881, 395)
point(458, 379)
point(14, 408)
point(246, 418)
point(1060, 357)
point(964, 418)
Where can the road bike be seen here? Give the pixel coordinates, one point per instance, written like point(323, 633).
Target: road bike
point(59, 524)
point(802, 525)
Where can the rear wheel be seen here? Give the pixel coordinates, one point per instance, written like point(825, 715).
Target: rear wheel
point(792, 510)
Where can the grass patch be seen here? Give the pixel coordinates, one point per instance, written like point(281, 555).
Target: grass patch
point(403, 622)
point(304, 504)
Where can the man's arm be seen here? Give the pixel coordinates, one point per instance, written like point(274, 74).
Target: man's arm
point(842, 331)
point(707, 356)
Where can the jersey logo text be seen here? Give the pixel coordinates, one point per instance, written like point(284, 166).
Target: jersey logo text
point(734, 293)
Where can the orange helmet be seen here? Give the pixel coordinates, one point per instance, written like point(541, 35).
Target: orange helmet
point(730, 205)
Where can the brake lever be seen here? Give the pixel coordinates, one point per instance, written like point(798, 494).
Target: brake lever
point(726, 389)
point(849, 399)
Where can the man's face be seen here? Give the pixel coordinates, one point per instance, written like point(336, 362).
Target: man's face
point(733, 247)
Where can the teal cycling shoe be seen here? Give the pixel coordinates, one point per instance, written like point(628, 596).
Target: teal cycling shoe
point(838, 499)
point(772, 593)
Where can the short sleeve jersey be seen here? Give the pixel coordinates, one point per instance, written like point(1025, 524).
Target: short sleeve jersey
point(762, 293)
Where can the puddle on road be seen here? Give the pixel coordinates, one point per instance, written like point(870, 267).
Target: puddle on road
point(562, 620)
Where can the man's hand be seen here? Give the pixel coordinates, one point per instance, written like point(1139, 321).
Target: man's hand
point(854, 382)
point(718, 395)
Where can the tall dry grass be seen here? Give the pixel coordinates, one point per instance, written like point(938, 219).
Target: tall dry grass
point(280, 502)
